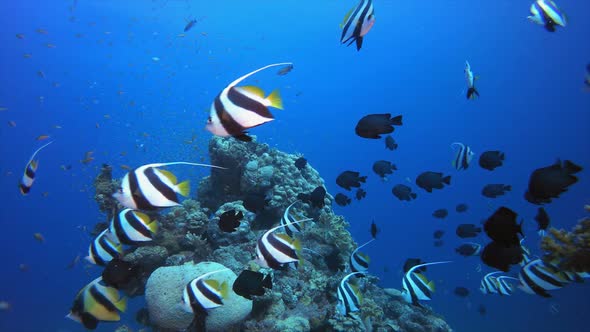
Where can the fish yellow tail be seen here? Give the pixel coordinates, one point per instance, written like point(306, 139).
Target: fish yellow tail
point(275, 100)
point(184, 188)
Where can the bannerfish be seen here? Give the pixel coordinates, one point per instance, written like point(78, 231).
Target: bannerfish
point(342, 199)
point(374, 125)
point(349, 296)
point(501, 227)
point(495, 190)
point(250, 283)
point(469, 249)
point(390, 143)
point(348, 179)
point(359, 262)
point(357, 23)
point(500, 256)
point(229, 221)
point(132, 227)
point(432, 180)
point(148, 187)
point(504, 287)
point(360, 194)
point(461, 207)
point(488, 284)
point(28, 178)
point(549, 182)
point(316, 198)
point(467, 230)
point(440, 213)
point(538, 278)
point(491, 159)
point(403, 192)
point(463, 156)
point(547, 14)
point(383, 168)
point(276, 251)
point(415, 285)
point(102, 250)
point(543, 221)
point(291, 224)
point(202, 294)
point(300, 163)
point(237, 109)
point(97, 302)
point(470, 79)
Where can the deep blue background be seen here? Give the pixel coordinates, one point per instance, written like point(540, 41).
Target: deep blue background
point(533, 107)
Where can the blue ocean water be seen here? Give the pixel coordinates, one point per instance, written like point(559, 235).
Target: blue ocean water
point(103, 90)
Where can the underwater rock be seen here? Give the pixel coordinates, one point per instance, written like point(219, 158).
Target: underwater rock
point(149, 258)
point(164, 293)
point(243, 234)
point(104, 187)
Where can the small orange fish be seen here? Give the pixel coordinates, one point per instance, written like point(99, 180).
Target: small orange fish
point(39, 237)
point(23, 267)
point(41, 74)
point(123, 153)
point(145, 134)
point(97, 125)
point(50, 45)
point(125, 167)
point(20, 36)
point(5, 306)
point(42, 137)
point(27, 55)
point(3, 109)
point(57, 126)
point(41, 31)
point(45, 193)
point(204, 34)
point(107, 116)
point(12, 123)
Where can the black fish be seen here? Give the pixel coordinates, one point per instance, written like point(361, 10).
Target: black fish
point(315, 198)
point(250, 283)
point(383, 167)
point(461, 208)
point(342, 199)
point(334, 261)
point(432, 180)
point(403, 192)
point(542, 219)
point(491, 159)
point(390, 143)
point(467, 230)
point(481, 309)
point(229, 221)
point(189, 25)
point(411, 262)
point(495, 190)
point(348, 179)
point(438, 243)
point(461, 291)
point(374, 230)
point(374, 125)
point(119, 273)
point(549, 182)
point(468, 249)
point(255, 202)
point(438, 234)
point(440, 213)
point(285, 70)
point(360, 194)
point(502, 227)
point(300, 163)
point(143, 317)
point(500, 256)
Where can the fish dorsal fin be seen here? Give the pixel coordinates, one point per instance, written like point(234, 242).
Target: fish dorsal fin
point(284, 237)
point(168, 175)
point(212, 283)
point(346, 17)
point(357, 292)
point(253, 90)
point(34, 164)
point(238, 80)
point(178, 163)
point(121, 305)
point(37, 151)
point(364, 244)
point(297, 245)
point(224, 289)
point(421, 277)
point(365, 257)
point(431, 286)
point(275, 99)
point(426, 264)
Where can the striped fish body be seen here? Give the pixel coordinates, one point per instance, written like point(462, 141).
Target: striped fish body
point(546, 13)
point(28, 177)
point(357, 23)
point(463, 156)
point(349, 297)
point(102, 250)
point(202, 294)
point(418, 287)
point(537, 278)
point(288, 221)
point(358, 261)
point(131, 227)
point(504, 288)
point(277, 250)
point(489, 284)
point(470, 79)
point(102, 302)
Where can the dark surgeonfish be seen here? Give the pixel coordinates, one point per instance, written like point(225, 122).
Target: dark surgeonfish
point(537, 278)
point(251, 283)
point(202, 294)
point(542, 219)
point(97, 302)
point(190, 24)
point(469, 249)
point(495, 190)
point(374, 229)
point(547, 14)
point(461, 291)
point(501, 227)
point(463, 156)
point(102, 250)
point(403, 192)
point(300, 163)
point(359, 262)
point(491, 159)
point(348, 179)
point(467, 230)
point(375, 125)
point(383, 168)
point(349, 297)
point(28, 178)
point(440, 213)
point(276, 251)
point(131, 227)
point(119, 273)
point(229, 221)
point(432, 180)
point(315, 198)
point(500, 256)
point(438, 234)
point(549, 182)
point(148, 187)
point(237, 109)
point(415, 285)
point(461, 208)
point(256, 202)
point(470, 79)
point(360, 194)
point(285, 70)
point(357, 23)
point(342, 199)
point(390, 143)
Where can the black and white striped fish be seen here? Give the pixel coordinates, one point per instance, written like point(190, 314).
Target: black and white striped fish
point(470, 79)
point(102, 250)
point(415, 285)
point(463, 156)
point(237, 109)
point(291, 224)
point(349, 297)
point(277, 250)
point(97, 302)
point(537, 278)
point(28, 178)
point(148, 187)
point(358, 261)
point(547, 14)
point(357, 23)
point(202, 294)
point(489, 284)
point(504, 288)
point(130, 227)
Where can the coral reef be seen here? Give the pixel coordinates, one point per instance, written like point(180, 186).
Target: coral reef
point(569, 250)
point(105, 186)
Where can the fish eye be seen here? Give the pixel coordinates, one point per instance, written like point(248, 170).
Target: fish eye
point(209, 120)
